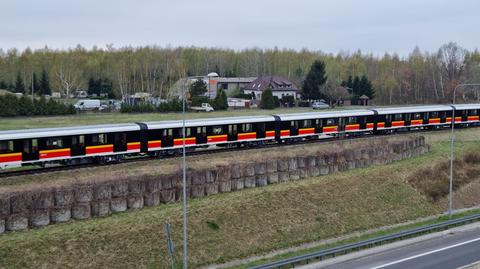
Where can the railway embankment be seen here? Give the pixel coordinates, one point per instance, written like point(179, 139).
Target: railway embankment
point(101, 194)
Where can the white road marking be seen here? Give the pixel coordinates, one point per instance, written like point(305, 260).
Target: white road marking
point(426, 253)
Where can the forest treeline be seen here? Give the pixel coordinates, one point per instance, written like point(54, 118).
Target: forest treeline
point(420, 77)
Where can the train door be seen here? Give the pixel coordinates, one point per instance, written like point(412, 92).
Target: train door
point(293, 127)
point(201, 135)
point(259, 128)
point(232, 132)
point(78, 145)
point(167, 138)
point(341, 124)
point(119, 142)
point(30, 149)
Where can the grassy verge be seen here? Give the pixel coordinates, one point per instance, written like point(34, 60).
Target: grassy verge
point(239, 224)
point(358, 238)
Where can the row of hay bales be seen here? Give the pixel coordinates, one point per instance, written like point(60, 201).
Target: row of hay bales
point(35, 208)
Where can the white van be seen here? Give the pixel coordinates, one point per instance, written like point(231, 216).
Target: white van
point(87, 104)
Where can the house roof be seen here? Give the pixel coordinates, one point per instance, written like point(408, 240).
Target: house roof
point(277, 83)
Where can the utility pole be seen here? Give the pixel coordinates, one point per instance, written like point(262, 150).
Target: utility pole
point(184, 182)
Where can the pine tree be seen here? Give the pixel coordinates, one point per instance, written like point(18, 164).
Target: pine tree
point(267, 102)
point(366, 87)
point(220, 102)
point(45, 84)
point(314, 81)
point(36, 84)
point(198, 88)
point(19, 85)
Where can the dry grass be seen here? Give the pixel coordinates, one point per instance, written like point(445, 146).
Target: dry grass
point(249, 222)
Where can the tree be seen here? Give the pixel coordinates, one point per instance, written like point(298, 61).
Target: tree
point(220, 102)
point(334, 93)
point(267, 101)
point(45, 84)
point(366, 87)
point(198, 88)
point(3, 85)
point(36, 84)
point(19, 85)
point(315, 79)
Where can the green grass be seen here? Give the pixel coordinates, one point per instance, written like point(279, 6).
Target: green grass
point(239, 224)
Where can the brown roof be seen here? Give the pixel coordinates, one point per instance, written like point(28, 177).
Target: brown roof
point(277, 83)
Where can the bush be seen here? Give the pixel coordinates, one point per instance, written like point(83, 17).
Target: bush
point(220, 102)
point(243, 96)
point(174, 105)
point(198, 100)
point(11, 106)
point(289, 100)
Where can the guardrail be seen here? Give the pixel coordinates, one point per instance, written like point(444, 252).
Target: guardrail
point(344, 249)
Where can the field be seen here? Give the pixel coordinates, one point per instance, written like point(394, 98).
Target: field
point(240, 224)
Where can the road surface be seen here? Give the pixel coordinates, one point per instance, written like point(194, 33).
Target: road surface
point(443, 250)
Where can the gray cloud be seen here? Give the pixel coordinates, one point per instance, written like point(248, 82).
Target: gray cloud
point(375, 26)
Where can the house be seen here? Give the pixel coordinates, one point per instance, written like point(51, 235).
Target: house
point(280, 86)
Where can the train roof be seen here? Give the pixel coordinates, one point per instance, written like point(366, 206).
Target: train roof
point(208, 122)
point(411, 109)
point(323, 115)
point(467, 106)
point(66, 131)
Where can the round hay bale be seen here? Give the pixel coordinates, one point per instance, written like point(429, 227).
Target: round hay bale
point(324, 170)
point(60, 214)
point(272, 178)
point(282, 165)
point(294, 175)
point(197, 177)
point(237, 184)
point(102, 192)
point(4, 206)
point(260, 168)
point(63, 197)
point(313, 171)
point(302, 173)
point(152, 184)
point(311, 161)
point(225, 186)
point(81, 211)
point(283, 176)
point(224, 173)
point(301, 162)
point(166, 181)
point(261, 180)
point(321, 160)
point(136, 186)
point(39, 218)
point(211, 188)
point(248, 170)
point(119, 189)
point(210, 176)
point(236, 171)
point(292, 164)
point(167, 196)
point(151, 198)
point(135, 201)
point(16, 222)
point(118, 204)
point(42, 199)
point(20, 202)
point(271, 166)
point(249, 182)
point(198, 191)
point(2, 225)
point(83, 193)
point(101, 208)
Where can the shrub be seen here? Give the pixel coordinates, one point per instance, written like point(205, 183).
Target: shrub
point(11, 106)
point(267, 101)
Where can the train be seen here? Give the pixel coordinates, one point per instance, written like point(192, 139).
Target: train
point(114, 142)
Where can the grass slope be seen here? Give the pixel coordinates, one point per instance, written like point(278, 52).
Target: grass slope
point(239, 224)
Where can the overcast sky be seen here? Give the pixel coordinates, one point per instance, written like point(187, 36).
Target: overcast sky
point(375, 26)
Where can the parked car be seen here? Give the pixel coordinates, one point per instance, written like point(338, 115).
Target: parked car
point(205, 107)
point(319, 105)
point(88, 104)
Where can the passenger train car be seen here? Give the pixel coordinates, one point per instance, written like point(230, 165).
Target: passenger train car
point(105, 143)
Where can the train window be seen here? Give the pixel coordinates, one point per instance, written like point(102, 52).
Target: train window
point(170, 132)
point(232, 129)
point(434, 114)
point(54, 143)
point(472, 112)
point(388, 118)
point(352, 120)
point(188, 131)
point(247, 127)
point(34, 144)
point(99, 139)
point(216, 130)
point(6, 146)
point(397, 117)
point(306, 123)
point(408, 116)
point(330, 122)
point(318, 122)
point(417, 116)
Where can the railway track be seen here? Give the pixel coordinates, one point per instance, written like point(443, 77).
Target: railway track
point(215, 150)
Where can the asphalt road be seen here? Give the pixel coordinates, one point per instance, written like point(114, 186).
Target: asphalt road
point(444, 250)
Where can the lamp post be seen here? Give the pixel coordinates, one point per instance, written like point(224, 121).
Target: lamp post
point(452, 144)
point(184, 183)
